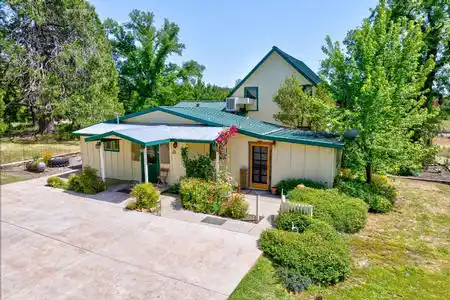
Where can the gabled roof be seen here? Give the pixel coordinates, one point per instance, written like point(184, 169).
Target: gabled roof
point(214, 104)
point(297, 64)
point(247, 126)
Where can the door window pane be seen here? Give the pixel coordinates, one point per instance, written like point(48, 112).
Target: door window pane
point(259, 164)
point(151, 155)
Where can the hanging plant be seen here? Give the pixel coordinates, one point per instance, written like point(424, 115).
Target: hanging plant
point(222, 140)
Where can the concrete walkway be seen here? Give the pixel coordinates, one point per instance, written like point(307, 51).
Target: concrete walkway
point(60, 245)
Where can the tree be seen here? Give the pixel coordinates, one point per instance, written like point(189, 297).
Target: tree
point(377, 82)
point(141, 52)
point(57, 62)
point(298, 109)
point(434, 18)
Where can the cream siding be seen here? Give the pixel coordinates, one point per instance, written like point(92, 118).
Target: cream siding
point(288, 160)
point(159, 117)
point(268, 78)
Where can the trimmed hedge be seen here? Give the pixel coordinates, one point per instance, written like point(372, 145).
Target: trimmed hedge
point(380, 195)
point(319, 253)
point(286, 220)
point(344, 213)
point(289, 184)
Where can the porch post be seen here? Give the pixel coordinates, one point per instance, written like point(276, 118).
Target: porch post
point(145, 165)
point(217, 164)
point(102, 161)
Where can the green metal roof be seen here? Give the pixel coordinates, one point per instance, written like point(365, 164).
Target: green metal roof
point(297, 64)
point(218, 105)
point(248, 126)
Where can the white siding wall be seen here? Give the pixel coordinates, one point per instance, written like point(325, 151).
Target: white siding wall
point(288, 160)
point(268, 78)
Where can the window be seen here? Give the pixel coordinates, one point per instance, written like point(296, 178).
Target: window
point(307, 88)
point(164, 153)
point(111, 145)
point(251, 92)
point(135, 152)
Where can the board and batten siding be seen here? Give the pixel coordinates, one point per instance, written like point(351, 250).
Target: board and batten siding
point(118, 165)
point(288, 160)
point(268, 77)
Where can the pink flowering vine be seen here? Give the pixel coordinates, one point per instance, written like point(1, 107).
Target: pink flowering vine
point(223, 139)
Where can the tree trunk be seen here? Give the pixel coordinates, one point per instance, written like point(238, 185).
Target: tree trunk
point(46, 125)
point(368, 173)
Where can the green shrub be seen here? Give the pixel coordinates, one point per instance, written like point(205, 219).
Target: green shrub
point(74, 183)
point(319, 253)
point(174, 189)
point(131, 205)
point(380, 204)
point(86, 182)
point(56, 182)
point(212, 197)
point(198, 167)
point(371, 193)
point(289, 184)
point(235, 207)
point(344, 213)
point(146, 195)
point(286, 220)
point(293, 280)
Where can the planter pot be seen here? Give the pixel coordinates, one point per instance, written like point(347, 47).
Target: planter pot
point(36, 166)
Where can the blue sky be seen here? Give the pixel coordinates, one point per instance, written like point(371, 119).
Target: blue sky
point(230, 37)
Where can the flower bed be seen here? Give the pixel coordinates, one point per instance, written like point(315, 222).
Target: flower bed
point(212, 197)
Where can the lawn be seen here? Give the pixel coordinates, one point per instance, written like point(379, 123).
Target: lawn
point(403, 254)
point(4, 179)
point(23, 150)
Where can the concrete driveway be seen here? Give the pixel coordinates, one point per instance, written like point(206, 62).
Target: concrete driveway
point(56, 245)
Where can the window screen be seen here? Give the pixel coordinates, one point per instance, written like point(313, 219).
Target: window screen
point(111, 145)
point(251, 92)
point(164, 153)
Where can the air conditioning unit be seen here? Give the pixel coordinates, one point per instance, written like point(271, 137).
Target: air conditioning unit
point(232, 103)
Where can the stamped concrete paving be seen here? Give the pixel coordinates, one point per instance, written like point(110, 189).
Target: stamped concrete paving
point(57, 245)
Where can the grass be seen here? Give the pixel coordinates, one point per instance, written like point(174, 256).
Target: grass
point(4, 179)
point(12, 151)
point(403, 254)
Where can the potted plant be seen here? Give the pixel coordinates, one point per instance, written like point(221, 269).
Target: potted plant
point(274, 190)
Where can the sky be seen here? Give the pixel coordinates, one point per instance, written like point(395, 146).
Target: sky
point(230, 37)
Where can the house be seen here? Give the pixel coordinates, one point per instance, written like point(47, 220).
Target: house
point(260, 155)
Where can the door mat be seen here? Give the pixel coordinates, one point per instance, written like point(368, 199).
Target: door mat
point(214, 221)
point(124, 190)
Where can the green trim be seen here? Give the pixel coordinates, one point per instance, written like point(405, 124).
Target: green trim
point(303, 141)
point(154, 143)
point(284, 56)
point(110, 133)
point(257, 96)
point(193, 141)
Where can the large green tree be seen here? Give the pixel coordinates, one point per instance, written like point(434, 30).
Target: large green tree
point(377, 81)
point(141, 51)
point(57, 62)
point(299, 109)
point(434, 18)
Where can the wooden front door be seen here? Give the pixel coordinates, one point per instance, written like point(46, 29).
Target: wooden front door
point(260, 165)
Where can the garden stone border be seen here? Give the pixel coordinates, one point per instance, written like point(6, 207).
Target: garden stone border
point(24, 162)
